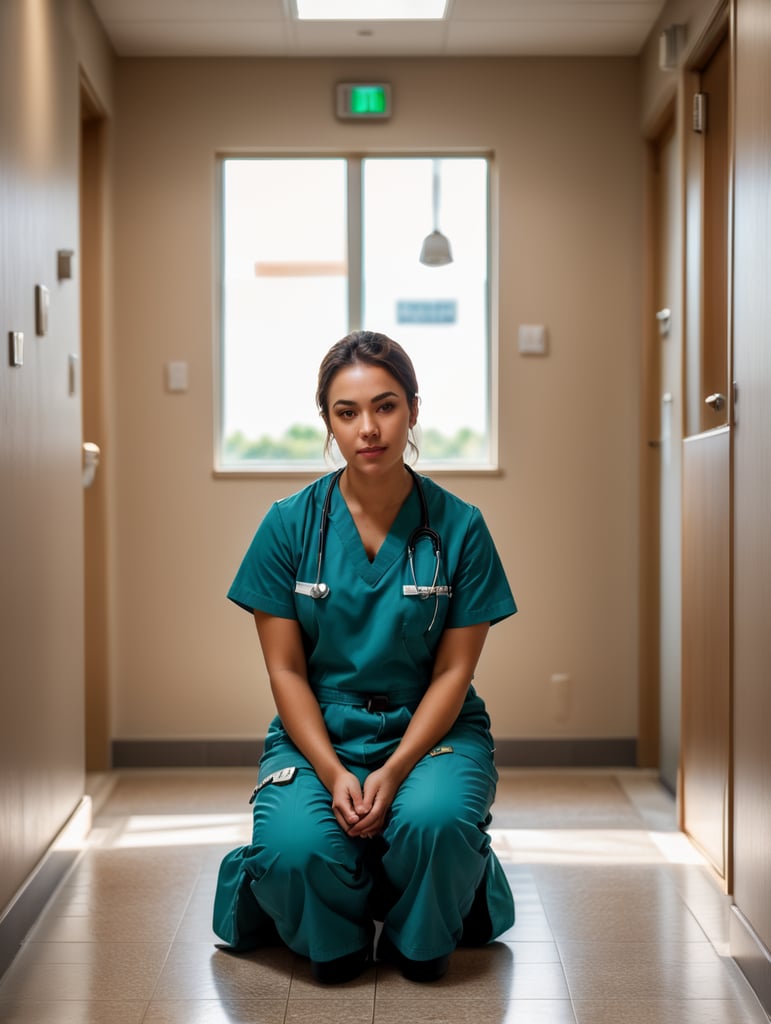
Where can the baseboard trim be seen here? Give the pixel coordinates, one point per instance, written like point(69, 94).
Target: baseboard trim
point(512, 753)
point(754, 960)
point(29, 902)
point(186, 753)
point(611, 752)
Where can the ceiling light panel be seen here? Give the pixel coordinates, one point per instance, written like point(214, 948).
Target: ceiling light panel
point(369, 10)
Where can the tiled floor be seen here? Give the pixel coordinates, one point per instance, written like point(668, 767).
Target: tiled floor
point(618, 920)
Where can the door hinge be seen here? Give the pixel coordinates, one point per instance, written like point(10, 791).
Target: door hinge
point(700, 112)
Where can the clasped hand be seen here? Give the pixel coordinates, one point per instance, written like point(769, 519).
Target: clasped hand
point(361, 811)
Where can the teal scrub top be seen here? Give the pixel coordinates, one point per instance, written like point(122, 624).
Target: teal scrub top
point(367, 636)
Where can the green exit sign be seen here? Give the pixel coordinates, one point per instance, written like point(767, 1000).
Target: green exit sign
point(360, 101)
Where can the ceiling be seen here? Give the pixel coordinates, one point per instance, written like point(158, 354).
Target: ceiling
point(264, 28)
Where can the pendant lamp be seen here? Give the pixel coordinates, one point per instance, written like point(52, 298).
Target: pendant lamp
point(436, 251)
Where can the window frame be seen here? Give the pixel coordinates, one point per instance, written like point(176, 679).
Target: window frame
point(354, 167)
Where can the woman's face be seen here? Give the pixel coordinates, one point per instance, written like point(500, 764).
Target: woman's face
point(370, 417)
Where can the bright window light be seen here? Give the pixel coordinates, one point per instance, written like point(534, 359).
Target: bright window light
point(314, 247)
point(370, 10)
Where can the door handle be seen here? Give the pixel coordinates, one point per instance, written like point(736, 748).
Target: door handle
point(716, 401)
point(91, 455)
point(664, 317)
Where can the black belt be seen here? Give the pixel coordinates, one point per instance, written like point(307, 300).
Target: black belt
point(378, 702)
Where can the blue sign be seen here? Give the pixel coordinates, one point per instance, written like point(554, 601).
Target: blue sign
point(426, 311)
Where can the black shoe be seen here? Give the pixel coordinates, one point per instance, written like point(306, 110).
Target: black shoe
point(342, 969)
point(262, 936)
point(412, 970)
point(477, 926)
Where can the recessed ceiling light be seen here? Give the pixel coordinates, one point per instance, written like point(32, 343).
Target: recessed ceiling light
point(370, 10)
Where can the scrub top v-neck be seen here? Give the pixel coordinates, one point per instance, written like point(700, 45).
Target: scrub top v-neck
point(392, 547)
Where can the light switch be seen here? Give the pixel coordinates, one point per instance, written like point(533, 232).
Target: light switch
point(16, 348)
point(176, 376)
point(532, 340)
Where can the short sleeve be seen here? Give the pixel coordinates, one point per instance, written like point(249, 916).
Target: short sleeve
point(480, 589)
point(266, 577)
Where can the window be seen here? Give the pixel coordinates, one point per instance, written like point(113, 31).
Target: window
point(315, 247)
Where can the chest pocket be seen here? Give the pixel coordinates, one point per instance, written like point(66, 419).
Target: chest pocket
point(423, 619)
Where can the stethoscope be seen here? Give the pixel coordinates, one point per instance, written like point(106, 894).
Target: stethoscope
point(319, 590)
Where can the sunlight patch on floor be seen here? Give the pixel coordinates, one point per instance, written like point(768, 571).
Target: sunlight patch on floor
point(156, 830)
point(592, 846)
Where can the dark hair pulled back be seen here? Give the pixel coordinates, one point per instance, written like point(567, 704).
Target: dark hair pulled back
point(370, 348)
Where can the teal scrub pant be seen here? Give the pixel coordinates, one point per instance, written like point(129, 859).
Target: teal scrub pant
point(323, 890)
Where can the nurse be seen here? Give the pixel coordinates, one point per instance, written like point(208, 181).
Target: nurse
point(373, 590)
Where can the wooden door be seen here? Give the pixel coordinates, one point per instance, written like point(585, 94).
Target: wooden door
point(750, 931)
point(660, 598)
point(93, 146)
point(706, 710)
point(705, 794)
point(668, 423)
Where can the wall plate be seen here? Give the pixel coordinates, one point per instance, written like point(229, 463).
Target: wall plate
point(531, 339)
point(42, 301)
point(16, 348)
point(64, 258)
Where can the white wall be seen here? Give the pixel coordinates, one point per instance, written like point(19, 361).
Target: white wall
point(565, 139)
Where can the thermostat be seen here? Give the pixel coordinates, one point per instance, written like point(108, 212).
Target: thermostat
point(361, 101)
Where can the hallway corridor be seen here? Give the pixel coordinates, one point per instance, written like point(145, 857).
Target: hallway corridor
point(618, 920)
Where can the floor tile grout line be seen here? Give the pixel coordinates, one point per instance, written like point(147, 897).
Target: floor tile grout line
point(737, 1001)
point(559, 951)
point(174, 936)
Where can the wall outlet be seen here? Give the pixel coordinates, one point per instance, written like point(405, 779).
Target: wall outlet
point(560, 695)
point(176, 376)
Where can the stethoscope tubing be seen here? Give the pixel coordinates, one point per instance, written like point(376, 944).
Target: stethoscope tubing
point(319, 590)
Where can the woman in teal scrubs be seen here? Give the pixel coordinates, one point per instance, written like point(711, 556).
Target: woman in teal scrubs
point(375, 787)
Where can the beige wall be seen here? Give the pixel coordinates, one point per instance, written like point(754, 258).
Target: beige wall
point(565, 139)
point(41, 515)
